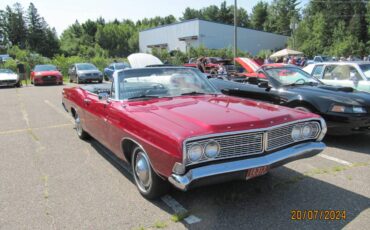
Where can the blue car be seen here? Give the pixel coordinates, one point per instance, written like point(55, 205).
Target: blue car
point(108, 71)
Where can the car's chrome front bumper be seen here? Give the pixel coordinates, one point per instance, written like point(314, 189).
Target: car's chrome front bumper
point(220, 172)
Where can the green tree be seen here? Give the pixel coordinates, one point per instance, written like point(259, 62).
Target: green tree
point(259, 15)
point(333, 28)
point(14, 25)
point(281, 13)
point(37, 30)
point(190, 13)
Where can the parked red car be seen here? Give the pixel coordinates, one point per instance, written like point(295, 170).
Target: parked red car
point(172, 125)
point(46, 74)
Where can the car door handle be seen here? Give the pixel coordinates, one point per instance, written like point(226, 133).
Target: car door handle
point(87, 101)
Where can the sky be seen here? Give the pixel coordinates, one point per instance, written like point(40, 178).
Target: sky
point(62, 13)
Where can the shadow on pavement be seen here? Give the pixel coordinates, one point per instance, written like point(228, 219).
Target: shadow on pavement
point(262, 203)
point(357, 143)
point(266, 202)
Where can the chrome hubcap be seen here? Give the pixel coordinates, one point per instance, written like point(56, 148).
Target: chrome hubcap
point(78, 125)
point(142, 171)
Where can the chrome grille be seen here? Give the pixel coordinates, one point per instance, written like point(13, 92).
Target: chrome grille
point(252, 142)
point(280, 137)
point(8, 81)
point(235, 145)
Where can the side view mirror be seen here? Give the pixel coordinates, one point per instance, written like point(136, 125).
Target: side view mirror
point(103, 96)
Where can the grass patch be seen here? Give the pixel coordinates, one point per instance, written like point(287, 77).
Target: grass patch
point(179, 217)
point(160, 224)
point(339, 168)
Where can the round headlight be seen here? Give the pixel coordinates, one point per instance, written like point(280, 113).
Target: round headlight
point(306, 131)
point(296, 133)
point(195, 152)
point(212, 149)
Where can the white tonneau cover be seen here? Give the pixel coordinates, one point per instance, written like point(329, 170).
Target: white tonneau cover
point(141, 60)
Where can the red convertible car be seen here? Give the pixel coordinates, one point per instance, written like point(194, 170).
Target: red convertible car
point(174, 127)
point(46, 74)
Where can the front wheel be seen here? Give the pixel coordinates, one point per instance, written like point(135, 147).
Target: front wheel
point(81, 133)
point(150, 185)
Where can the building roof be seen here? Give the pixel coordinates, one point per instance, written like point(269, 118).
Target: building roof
point(197, 19)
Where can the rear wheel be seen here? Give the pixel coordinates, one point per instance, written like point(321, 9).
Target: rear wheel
point(78, 126)
point(150, 185)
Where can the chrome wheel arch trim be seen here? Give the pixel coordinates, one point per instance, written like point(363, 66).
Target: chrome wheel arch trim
point(140, 146)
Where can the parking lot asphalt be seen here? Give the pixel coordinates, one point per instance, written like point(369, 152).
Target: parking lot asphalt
point(50, 179)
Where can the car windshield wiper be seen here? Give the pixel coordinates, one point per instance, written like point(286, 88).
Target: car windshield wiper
point(293, 84)
point(143, 97)
point(192, 93)
point(311, 83)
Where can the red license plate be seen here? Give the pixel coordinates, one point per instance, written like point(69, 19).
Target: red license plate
point(255, 172)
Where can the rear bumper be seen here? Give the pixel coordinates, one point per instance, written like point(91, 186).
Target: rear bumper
point(235, 170)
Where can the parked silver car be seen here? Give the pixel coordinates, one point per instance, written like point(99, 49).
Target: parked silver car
point(351, 74)
point(84, 72)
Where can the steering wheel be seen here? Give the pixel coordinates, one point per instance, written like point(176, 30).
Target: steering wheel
point(301, 79)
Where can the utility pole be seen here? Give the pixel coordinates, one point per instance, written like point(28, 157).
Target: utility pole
point(293, 27)
point(235, 30)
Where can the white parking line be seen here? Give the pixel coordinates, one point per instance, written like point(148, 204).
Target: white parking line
point(340, 161)
point(192, 219)
point(178, 208)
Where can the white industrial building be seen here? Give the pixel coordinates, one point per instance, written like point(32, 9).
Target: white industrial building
point(211, 35)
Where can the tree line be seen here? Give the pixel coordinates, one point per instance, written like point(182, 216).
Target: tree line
point(333, 27)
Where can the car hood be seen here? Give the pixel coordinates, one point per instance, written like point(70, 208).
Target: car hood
point(8, 76)
point(338, 94)
point(88, 71)
point(47, 73)
point(188, 116)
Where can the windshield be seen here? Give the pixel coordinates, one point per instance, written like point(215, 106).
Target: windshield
point(366, 70)
point(291, 76)
point(326, 59)
point(162, 82)
point(6, 71)
point(86, 66)
point(121, 66)
point(39, 68)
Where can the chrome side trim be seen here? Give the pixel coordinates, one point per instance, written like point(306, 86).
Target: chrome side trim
point(324, 129)
point(137, 143)
point(304, 150)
